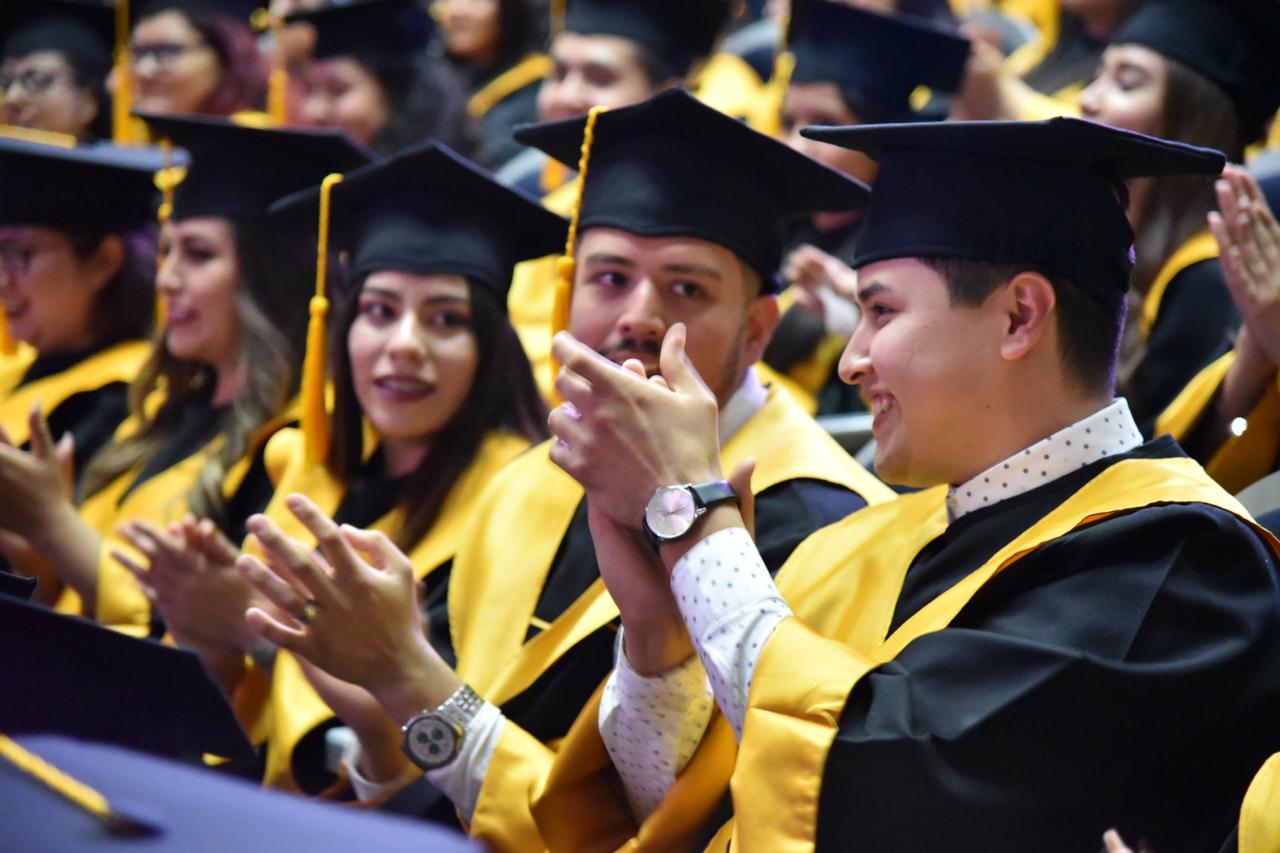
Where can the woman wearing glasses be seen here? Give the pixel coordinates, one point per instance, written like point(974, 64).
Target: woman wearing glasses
point(195, 56)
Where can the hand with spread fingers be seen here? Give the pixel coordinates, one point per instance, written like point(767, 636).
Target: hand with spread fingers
point(190, 578)
point(37, 481)
point(622, 436)
point(353, 609)
point(1249, 251)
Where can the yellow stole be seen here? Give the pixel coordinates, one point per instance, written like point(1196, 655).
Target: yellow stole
point(1199, 248)
point(526, 72)
point(119, 363)
point(786, 737)
point(500, 573)
point(1260, 813)
point(293, 709)
point(13, 366)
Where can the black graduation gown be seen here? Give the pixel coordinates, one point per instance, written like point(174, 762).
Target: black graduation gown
point(1130, 678)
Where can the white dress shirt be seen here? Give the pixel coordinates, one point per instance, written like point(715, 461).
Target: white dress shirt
point(731, 605)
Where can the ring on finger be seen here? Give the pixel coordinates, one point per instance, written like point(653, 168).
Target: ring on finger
point(309, 611)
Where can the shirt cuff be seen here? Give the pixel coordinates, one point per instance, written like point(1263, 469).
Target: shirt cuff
point(730, 607)
point(462, 778)
point(651, 726)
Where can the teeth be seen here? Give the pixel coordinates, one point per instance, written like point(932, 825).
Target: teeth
point(879, 405)
point(403, 384)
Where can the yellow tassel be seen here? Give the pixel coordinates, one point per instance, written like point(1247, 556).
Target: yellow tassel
point(166, 180)
point(122, 100)
point(278, 82)
point(8, 346)
point(565, 266)
point(73, 789)
point(557, 14)
point(315, 415)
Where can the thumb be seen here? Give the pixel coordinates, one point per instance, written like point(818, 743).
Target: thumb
point(66, 456)
point(740, 479)
point(677, 370)
point(374, 544)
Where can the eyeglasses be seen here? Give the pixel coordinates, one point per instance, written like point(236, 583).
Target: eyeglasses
point(165, 54)
point(35, 82)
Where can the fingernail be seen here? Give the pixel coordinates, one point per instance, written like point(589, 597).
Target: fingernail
point(294, 501)
point(571, 410)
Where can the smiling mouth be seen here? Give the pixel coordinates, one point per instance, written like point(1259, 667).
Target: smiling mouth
point(403, 388)
point(879, 406)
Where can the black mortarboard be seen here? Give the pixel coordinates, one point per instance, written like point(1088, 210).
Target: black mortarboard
point(87, 188)
point(1045, 193)
point(237, 170)
point(16, 586)
point(81, 30)
point(678, 31)
point(883, 58)
point(1231, 42)
point(368, 28)
point(673, 166)
point(176, 808)
point(427, 210)
point(68, 675)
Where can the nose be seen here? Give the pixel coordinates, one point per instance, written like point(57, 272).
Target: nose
point(855, 361)
point(641, 315)
point(1089, 99)
point(167, 278)
point(409, 340)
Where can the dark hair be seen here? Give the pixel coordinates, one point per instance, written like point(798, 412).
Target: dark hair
point(1198, 112)
point(1089, 326)
point(503, 396)
point(121, 309)
point(858, 104)
point(272, 306)
point(419, 106)
point(243, 81)
point(519, 31)
point(657, 69)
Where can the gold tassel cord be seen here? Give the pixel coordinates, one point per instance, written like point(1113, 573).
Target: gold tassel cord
point(315, 415)
point(565, 263)
point(72, 789)
point(122, 98)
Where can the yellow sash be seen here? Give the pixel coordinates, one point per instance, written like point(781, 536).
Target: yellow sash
point(780, 764)
point(119, 363)
point(1199, 248)
point(526, 72)
point(13, 366)
point(293, 708)
point(1260, 813)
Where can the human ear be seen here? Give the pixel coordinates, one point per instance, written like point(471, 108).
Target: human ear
point(1028, 302)
point(762, 318)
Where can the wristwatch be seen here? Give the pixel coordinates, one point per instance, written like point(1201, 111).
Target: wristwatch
point(433, 738)
point(672, 510)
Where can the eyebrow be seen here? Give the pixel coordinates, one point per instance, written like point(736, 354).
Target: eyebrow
point(872, 289)
point(438, 299)
point(604, 258)
point(693, 269)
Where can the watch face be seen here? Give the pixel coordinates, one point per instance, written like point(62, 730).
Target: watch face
point(431, 742)
point(671, 512)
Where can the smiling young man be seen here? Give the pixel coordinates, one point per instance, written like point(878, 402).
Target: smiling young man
point(1070, 630)
point(678, 223)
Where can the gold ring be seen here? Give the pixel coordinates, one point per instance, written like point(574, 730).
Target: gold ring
point(309, 611)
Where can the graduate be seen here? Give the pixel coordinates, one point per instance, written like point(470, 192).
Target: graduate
point(223, 366)
point(54, 60)
point(851, 66)
point(533, 629)
point(368, 77)
point(432, 396)
point(1204, 73)
point(1067, 630)
point(493, 47)
point(73, 278)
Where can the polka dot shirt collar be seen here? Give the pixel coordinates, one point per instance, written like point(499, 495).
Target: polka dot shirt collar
point(1104, 433)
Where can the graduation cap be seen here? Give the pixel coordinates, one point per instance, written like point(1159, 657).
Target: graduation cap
point(103, 796)
point(425, 211)
point(672, 166)
point(67, 675)
point(238, 170)
point(368, 28)
point(81, 30)
point(240, 10)
point(882, 58)
point(16, 586)
point(1231, 42)
point(1046, 193)
point(678, 31)
point(94, 188)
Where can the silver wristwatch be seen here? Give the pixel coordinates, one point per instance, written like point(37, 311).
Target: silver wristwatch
point(672, 510)
point(433, 738)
